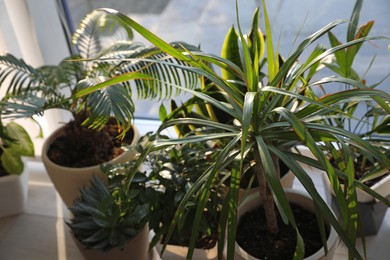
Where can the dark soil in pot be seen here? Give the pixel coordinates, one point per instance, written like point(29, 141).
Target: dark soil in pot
point(83, 147)
point(253, 237)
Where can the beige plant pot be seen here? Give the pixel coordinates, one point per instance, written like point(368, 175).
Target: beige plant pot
point(13, 193)
point(297, 197)
point(69, 181)
point(173, 252)
point(136, 248)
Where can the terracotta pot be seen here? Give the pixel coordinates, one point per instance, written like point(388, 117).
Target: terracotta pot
point(136, 248)
point(173, 252)
point(371, 212)
point(68, 181)
point(13, 193)
point(299, 198)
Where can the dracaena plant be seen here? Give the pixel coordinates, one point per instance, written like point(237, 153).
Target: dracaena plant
point(269, 98)
point(373, 125)
point(104, 49)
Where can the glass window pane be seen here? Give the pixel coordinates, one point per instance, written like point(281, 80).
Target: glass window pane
point(205, 22)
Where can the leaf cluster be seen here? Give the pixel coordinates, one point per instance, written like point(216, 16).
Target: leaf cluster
point(270, 106)
point(105, 217)
point(104, 50)
point(373, 125)
point(14, 144)
point(172, 172)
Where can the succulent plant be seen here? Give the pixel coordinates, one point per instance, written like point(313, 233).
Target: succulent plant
point(106, 217)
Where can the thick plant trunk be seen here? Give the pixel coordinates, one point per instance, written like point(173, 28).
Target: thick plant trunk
point(266, 195)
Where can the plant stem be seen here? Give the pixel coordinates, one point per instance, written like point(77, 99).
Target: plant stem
point(266, 196)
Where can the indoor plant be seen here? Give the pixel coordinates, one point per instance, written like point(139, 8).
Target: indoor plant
point(163, 180)
point(170, 174)
point(104, 49)
point(366, 170)
point(271, 111)
point(15, 143)
point(110, 223)
point(373, 125)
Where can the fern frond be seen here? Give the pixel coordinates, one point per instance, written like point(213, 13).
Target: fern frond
point(144, 60)
point(112, 101)
point(27, 105)
point(19, 74)
point(97, 31)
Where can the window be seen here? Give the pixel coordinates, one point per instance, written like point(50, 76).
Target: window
point(206, 22)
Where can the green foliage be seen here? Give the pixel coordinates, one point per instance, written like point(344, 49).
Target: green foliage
point(171, 172)
point(104, 50)
point(373, 125)
point(14, 143)
point(106, 217)
point(272, 107)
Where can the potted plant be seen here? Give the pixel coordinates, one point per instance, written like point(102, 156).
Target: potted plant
point(271, 109)
point(367, 170)
point(198, 108)
point(110, 221)
point(373, 126)
point(170, 173)
point(104, 49)
point(15, 143)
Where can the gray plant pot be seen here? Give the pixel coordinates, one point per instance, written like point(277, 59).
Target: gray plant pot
point(371, 212)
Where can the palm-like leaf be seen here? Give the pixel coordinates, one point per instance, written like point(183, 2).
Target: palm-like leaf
point(105, 50)
point(96, 32)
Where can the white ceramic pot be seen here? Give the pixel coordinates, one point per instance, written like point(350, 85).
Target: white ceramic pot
point(173, 252)
point(68, 181)
point(137, 249)
point(13, 193)
point(300, 198)
point(382, 187)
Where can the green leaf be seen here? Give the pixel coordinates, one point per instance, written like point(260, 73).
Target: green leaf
point(163, 113)
point(12, 162)
point(23, 144)
point(341, 55)
point(230, 51)
point(112, 81)
point(353, 25)
point(100, 235)
point(273, 64)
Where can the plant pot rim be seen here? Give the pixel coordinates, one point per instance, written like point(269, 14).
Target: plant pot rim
point(382, 187)
point(9, 178)
point(331, 241)
point(181, 251)
point(57, 132)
